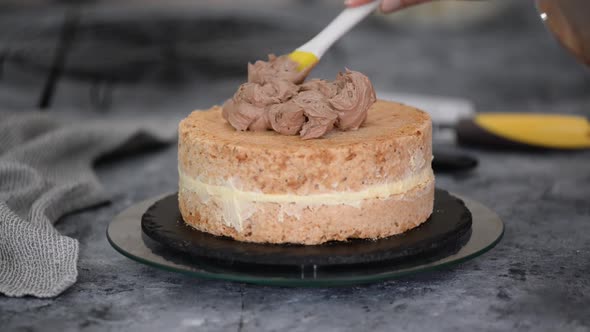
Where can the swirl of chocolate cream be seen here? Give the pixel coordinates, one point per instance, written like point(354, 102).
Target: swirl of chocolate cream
point(286, 118)
point(355, 92)
point(328, 89)
point(247, 110)
point(244, 113)
point(280, 67)
point(273, 99)
point(320, 116)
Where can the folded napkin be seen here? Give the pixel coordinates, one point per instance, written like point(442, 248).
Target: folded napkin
point(45, 172)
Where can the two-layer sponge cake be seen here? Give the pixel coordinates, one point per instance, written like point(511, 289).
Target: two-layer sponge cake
point(260, 186)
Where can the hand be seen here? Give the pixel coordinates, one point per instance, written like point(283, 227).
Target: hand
point(387, 6)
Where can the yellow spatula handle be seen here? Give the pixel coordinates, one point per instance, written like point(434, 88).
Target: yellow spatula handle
point(308, 54)
point(304, 59)
point(545, 130)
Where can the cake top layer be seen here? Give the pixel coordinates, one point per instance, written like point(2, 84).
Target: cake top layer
point(394, 143)
point(385, 121)
point(276, 98)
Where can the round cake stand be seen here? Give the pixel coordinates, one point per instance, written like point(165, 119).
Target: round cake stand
point(125, 235)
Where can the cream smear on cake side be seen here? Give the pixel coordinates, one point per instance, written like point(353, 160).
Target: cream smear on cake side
point(238, 205)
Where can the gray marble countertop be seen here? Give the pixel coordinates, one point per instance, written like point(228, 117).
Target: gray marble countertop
point(535, 279)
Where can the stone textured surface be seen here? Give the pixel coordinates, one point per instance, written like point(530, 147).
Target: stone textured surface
point(536, 279)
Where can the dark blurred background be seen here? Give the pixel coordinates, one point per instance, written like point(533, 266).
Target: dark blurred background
point(150, 56)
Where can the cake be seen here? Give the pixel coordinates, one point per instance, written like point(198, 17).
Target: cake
point(288, 161)
point(261, 186)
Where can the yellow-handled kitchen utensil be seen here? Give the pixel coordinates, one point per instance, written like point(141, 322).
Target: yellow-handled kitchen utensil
point(522, 130)
point(310, 53)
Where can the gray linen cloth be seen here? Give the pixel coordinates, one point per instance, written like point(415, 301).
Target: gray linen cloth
point(45, 172)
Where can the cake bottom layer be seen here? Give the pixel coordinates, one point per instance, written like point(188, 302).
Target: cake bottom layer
point(375, 218)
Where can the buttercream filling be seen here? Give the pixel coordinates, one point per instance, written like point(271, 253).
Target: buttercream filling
point(237, 204)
